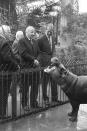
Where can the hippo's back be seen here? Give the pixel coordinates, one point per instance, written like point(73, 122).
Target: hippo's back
point(81, 89)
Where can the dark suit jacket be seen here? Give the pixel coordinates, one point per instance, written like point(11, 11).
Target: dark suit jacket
point(28, 52)
point(15, 50)
point(7, 59)
point(45, 51)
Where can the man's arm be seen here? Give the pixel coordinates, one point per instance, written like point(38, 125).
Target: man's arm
point(8, 55)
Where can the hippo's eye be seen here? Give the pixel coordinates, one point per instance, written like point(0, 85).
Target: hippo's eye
point(63, 71)
point(51, 66)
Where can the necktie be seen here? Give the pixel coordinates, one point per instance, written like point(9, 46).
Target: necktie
point(31, 42)
point(50, 41)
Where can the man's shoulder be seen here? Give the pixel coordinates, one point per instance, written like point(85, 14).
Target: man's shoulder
point(42, 37)
point(21, 40)
point(3, 41)
point(15, 42)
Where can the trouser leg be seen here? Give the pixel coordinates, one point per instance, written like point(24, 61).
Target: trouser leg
point(34, 89)
point(5, 83)
point(25, 89)
point(45, 80)
point(54, 92)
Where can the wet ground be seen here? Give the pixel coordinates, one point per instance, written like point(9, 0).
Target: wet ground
point(54, 119)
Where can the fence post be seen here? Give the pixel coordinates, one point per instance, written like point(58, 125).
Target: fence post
point(14, 95)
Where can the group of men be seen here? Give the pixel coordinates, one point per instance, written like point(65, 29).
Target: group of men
point(26, 52)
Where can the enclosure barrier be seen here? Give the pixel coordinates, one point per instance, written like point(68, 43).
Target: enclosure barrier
point(12, 94)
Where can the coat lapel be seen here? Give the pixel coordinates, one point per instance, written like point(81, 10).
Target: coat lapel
point(28, 43)
point(34, 46)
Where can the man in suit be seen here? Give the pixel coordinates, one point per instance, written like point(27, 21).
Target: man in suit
point(46, 47)
point(29, 51)
point(15, 45)
point(7, 63)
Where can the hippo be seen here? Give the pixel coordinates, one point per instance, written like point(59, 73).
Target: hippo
point(75, 87)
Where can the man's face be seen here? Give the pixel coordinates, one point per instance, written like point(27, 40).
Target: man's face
point(31, 33)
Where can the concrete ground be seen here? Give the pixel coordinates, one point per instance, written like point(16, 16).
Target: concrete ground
point(54, 119)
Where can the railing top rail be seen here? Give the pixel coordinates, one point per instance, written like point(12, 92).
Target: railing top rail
point(21, 71)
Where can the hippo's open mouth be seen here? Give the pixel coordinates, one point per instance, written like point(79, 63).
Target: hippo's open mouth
point(49, 69)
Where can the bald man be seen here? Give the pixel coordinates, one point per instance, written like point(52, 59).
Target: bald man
point(19, 36)
point(29, 51)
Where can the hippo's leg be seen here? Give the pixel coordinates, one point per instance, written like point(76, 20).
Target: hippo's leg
point(75, 108)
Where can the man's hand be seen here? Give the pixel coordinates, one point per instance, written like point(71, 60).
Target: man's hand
point(36, 62)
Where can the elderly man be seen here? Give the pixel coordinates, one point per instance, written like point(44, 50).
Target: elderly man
point(46, 47)
point(29, 51)
point(7, 63)
point(19, 36)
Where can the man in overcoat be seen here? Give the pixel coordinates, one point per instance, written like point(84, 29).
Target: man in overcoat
point(8, 64)
point(29, 51)
point(46, 47)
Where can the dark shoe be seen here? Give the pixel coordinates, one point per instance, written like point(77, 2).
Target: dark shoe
point(5, 117)
point(46, 102)
point(26, 108)
point(35, 105)
point(46, 99)
point(56, 101)
point(73, 118)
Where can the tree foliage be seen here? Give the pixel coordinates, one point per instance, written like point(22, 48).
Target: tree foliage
point(76, 25)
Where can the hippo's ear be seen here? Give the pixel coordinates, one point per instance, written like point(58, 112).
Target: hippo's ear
point(55, 61)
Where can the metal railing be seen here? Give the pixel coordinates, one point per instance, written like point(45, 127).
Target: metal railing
point(3, 16)
point(17, 88)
